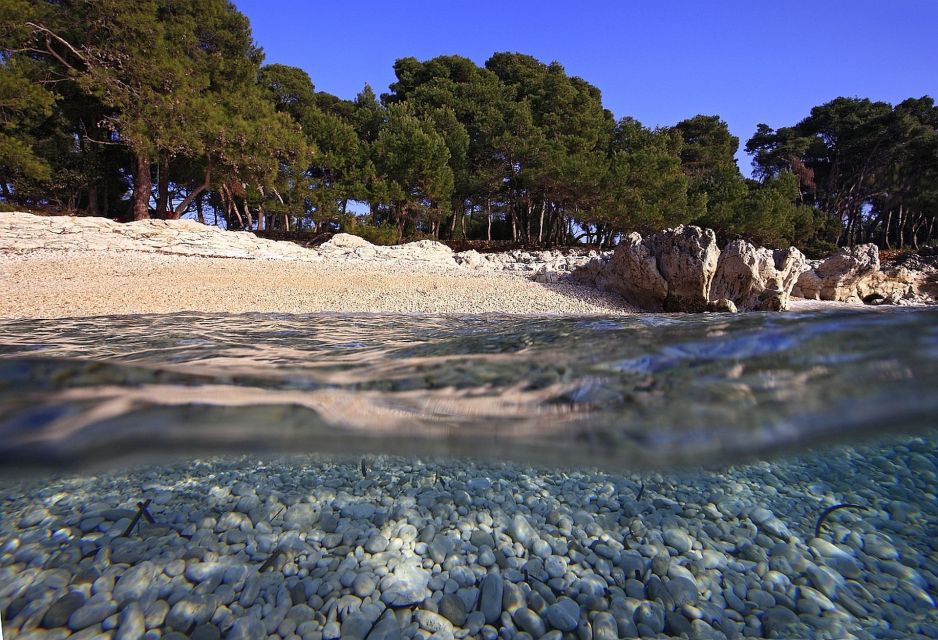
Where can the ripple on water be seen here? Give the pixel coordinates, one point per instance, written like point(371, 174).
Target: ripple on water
point(650, 389)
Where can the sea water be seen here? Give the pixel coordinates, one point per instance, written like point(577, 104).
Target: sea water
point(333, 475)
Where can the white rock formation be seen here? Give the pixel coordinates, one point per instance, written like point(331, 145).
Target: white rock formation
point(672, 270)
point(756, 278)
point(855, 275)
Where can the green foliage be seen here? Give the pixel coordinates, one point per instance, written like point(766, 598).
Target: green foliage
point(413, 160)
point(385, 234)
point(24, 107)
point(647, 189)
point(171, 101)
point(870, 166)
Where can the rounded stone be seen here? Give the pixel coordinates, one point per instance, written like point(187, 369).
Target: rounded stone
point(678, 539)
point(453, 609)
point(376, 544)
point(92, 612)
point(364, 585)
point(564, 614)
point(248, 628)
point(529, 621)
point(60, 611)
point(490, 599)
point(131, 623)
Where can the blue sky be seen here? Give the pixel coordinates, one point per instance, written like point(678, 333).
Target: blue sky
point(749, 61)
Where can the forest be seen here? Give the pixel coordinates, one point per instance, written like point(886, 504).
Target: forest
point(166, 108)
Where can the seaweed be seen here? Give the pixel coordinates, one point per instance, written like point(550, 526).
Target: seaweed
point(830, 510)
point(141, 511)
point(269, 562)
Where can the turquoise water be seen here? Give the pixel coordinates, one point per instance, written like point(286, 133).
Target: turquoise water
point(318, 477)
point(651, 390)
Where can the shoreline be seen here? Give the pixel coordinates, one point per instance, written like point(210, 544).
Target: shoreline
point(66, 267)
point(53, 284)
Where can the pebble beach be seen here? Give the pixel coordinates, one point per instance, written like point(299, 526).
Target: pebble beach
point(62, 267)
point(383, 548)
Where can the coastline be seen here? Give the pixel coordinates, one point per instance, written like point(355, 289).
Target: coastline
point(55, 284)
point(59, 267)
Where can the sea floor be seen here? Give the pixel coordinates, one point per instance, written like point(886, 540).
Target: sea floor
point(311, 548)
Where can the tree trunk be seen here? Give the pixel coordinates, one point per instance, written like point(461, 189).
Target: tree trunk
point(197, 193)
point(92, 208)
point(162, 187)
point(247, 214)
point(540, 227)
point(886, 230)
point(198, 209)
point(527, 221)
point(142, 185)
point(488, 212)
point(901, 229)
point(231, 206)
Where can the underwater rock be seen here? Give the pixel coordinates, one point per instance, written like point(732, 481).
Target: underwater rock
point(490, 600)
point(406, 586)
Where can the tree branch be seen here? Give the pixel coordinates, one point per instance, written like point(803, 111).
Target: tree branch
point(49, 33)
point(181, 209)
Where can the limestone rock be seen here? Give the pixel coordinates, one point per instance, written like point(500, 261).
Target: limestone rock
point(427, 246)
point(471, 258)
point(687, 258)
point(838, 276)
point(722, 305)
point(406, 586)
point(345, 241)
point(755, 278)
point(672, 270)
point(633, 273)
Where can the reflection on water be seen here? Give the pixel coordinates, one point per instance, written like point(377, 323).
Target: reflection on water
point(645, 390)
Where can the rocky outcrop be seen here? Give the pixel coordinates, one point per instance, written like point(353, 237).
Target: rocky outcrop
point(633, 273)
point(671, 271)
point(755, 278)
point(682, 269)
point(837, 277)
point(855, 275)
point(345, 241)
point(23, 232)
point(544, 266)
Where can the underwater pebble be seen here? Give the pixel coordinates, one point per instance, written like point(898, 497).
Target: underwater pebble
point(452, 550)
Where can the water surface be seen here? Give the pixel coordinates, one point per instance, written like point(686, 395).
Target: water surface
point(624, 392)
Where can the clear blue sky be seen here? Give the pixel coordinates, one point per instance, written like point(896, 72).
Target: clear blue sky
point(749, 61)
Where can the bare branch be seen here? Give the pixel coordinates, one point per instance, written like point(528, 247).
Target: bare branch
point(51, 34)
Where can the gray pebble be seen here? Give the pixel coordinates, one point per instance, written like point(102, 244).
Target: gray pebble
point(131, 623)
point(564, 614)
point(60, 611)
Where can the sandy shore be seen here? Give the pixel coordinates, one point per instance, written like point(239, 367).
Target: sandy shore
point(57, 284)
